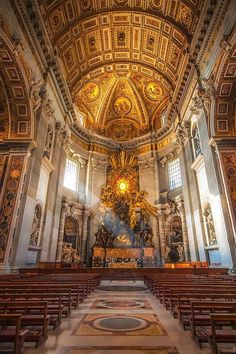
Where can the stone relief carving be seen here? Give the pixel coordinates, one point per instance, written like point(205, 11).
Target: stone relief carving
point(35, 233)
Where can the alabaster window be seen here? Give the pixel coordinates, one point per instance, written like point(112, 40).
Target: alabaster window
point(196, 141)
point(71, 175)
point(174, 174)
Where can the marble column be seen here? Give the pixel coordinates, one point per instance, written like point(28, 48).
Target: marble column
point(162, 236)
point(64, 210)
point(85, 237)
point(180, 208)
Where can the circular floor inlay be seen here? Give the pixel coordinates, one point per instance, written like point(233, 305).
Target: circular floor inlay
point(120, 323)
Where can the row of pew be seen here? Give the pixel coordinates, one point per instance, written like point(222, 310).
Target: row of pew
point(205, 305)
point(31, 305)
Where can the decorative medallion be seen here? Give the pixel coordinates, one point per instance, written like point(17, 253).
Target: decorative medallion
point(90, 91)
point(153, 91)
point(122, 105)
point(86, 5)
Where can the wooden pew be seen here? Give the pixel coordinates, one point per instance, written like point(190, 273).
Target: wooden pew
point(14, 335)
point(183, 308)
point(34, 317)
point(200, 317)
point(55, 306)
point(218, 333)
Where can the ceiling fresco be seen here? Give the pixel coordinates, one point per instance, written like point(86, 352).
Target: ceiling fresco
point(121, 59)
point(122, 106)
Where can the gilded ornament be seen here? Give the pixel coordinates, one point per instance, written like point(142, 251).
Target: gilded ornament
point(122, 105)
point(186, 17)
point(90, 91)
point(15, 173)
point(153, 91)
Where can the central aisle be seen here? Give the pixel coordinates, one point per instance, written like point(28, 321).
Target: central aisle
point(120, 317)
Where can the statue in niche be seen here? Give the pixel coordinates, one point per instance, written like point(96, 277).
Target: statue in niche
point(180, 249)
point(146, 236)
point(173, 254)
point(49, 142)
point(196, 141)
point(176, 230)
point(69, 254)
point(34, 236)
point(210, 225)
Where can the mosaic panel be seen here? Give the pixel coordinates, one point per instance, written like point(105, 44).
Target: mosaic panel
point(229, 170)
point(9, 201)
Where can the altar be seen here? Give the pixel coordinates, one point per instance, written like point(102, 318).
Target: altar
point(129, 257)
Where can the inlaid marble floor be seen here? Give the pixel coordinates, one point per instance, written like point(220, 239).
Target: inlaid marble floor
point(120, 317)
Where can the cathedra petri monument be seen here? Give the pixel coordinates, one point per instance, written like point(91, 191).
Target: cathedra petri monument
point(124, 237)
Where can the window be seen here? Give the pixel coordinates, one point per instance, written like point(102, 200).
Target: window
point(71, 174)
point(174, 174)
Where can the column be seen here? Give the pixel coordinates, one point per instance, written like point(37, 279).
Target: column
point(162, 236)
point(180, 208)
point(10, 199)
point(64, 210)
point(84, 254)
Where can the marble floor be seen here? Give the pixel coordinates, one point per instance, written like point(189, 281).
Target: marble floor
point(119, 317)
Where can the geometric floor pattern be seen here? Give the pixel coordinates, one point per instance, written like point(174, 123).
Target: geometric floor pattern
point(120, 317)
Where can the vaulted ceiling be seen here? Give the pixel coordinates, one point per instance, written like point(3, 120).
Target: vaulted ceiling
point(121, 59)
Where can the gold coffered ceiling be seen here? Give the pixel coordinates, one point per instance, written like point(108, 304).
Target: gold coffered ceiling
point(104, 45)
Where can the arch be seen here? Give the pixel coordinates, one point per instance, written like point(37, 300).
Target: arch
point(71, 231)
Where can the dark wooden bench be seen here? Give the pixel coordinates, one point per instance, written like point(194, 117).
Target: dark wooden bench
point(182, 309)
point(55, 306)
point(11, 333)
point(218, 333)
point(34, 317)
point(200, 317)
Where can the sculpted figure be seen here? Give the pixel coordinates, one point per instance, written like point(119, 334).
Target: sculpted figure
point(146, 236)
